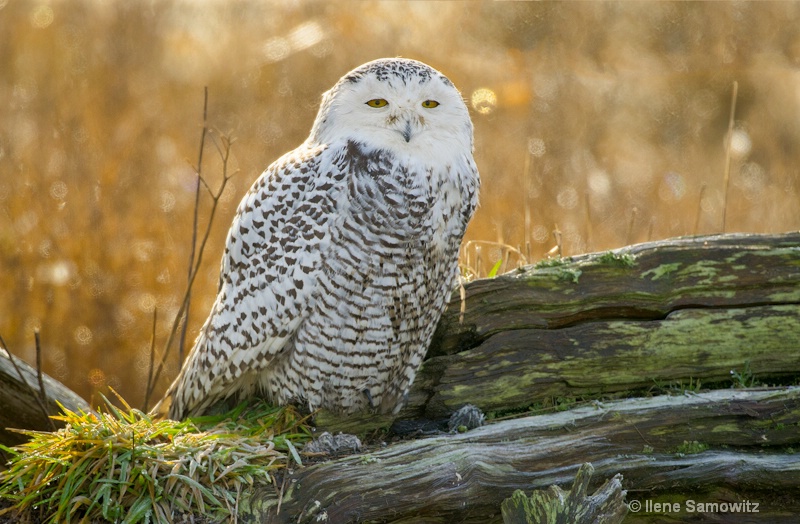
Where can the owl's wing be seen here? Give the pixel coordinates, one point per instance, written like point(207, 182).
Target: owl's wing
point(275, 246)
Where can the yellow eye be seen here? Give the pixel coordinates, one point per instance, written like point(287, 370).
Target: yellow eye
point(430, 104)
point(377, 102)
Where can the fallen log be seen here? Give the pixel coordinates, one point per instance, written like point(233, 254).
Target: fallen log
point(656, 318)
point(25, 406)
point(687, 447)
point(633, 318)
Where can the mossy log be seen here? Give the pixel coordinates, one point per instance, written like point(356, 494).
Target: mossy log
point(630, 319)
point(647, 319)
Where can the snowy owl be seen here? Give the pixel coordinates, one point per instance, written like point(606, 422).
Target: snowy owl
point(344, 252)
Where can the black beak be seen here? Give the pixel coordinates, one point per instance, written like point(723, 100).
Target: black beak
point(407, 131)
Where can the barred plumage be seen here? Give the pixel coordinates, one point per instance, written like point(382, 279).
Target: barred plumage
point(343, 254)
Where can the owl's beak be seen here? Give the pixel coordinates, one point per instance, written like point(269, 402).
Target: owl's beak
point(406, 132)
point(406, 123)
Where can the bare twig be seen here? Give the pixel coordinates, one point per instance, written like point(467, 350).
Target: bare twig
point(40, 378)
point(631, 222)
point(588, 207)
point(526, 204)
point(728, 139)
point(506, 251)
point(462, 291)
point(558, 249)
point(506, 260)
point(224, 147)
point(280, 493)
point(149, 388)
point(699, 209)
point(199, 171)
point(42, 405)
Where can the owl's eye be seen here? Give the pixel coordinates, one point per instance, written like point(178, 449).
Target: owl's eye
point(430, 104)
point(377, 102)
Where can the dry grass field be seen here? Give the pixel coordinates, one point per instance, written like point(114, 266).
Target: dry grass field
point(597, 125)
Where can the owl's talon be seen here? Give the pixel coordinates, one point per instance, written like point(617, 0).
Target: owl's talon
point(369, 397)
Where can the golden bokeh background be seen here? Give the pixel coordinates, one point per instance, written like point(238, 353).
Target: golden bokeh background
point(605, 122)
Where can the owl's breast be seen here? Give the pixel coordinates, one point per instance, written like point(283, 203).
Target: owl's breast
point(399, 198)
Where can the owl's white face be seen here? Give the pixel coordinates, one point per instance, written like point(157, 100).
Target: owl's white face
point(396, 104)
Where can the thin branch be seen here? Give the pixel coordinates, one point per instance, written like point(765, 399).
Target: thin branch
point(207, 187)
point(40, 379)
point(215, 203)
point(699, 209)
point(729, 138)
point(199, 171)
point(588, 207)
point(631, 222)
point(149, 388)
point(558, 249)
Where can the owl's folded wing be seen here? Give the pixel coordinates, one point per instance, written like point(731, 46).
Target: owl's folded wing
point(281, 231)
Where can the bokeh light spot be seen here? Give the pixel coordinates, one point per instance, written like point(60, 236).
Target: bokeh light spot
point(599, 182)
point(567, 198)
point(147, 302)
point(276, 49)
point(83, 335)
point(97, 377)
point(42, 16)
point(484, 100)
point(536, 147)
point(58, 190)
point(167, 201)
point(751, 180)
point(540, 234)
point(306, 35)
point(672, 187)
point(25, 90)
point(740, 143)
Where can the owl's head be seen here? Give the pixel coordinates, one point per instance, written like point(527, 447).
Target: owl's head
point(395, 103)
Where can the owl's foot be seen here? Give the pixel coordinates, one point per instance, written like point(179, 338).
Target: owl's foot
point(336, 445)
point(466, 418)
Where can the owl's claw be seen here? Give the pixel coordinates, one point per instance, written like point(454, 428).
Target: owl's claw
point(369, 397)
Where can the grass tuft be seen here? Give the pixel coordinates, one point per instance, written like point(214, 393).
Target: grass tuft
point(121, 465)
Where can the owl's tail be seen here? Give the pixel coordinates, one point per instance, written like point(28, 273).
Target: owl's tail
point(169, 406)
point(184, 396)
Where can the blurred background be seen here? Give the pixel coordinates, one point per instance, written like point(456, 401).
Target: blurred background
point(597, 125)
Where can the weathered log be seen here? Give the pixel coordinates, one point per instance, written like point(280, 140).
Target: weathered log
point(652, 316)
point(24, 406)
point(619, 321)
point(661, 445)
